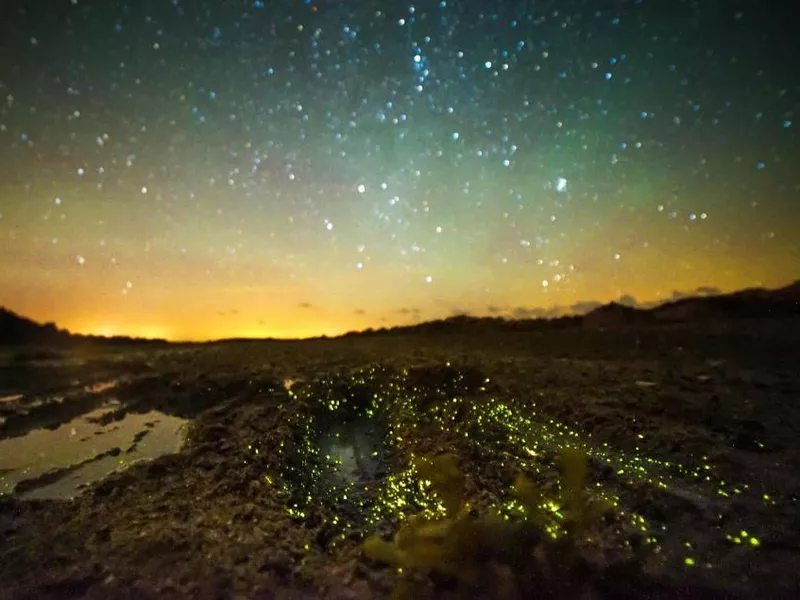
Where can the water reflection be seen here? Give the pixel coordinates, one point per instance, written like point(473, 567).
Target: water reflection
point(101, 386)
point(58, 463)
point(354, 451)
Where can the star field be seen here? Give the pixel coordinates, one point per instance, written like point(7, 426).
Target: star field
point(196, 170)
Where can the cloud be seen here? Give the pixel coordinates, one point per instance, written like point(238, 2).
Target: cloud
point(360, 311)
point(674, 297)
point(521, 312)
point(651, 304)
point(708, 290)
point(494, 309)
point(585, 306)
point(627, 300)
point(705, 290)
point(304, 305)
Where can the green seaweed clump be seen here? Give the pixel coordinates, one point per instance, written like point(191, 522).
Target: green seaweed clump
point(460, 554)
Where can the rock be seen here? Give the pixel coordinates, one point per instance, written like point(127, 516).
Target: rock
point(279, 562)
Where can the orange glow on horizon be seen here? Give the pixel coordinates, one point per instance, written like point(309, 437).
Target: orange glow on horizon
point(254, 192)
point(188, 324)
point(188, 299)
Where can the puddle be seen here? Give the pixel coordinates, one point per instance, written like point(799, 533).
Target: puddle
point(57, 463)
point(33, 401)
point(336, 454)
point(351, 456)
point(101, 386)
point(354, 451)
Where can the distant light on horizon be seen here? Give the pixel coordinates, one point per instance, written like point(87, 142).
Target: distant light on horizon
point(361, 167)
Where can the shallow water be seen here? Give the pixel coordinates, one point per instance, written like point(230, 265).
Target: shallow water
point(72, 446)
point(354, 450)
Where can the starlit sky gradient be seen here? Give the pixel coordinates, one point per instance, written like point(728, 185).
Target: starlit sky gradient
point(289, 168)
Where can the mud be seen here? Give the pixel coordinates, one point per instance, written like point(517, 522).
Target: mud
point(692, 437)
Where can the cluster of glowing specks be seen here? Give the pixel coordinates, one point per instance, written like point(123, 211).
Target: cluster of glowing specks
point(356, 440)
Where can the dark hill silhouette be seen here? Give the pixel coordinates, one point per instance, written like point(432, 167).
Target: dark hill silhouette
point(749, 303)
point(754, 302)
point(614, 314)
point(16, 330)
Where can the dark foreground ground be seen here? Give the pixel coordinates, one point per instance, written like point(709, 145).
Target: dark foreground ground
point(297, 451)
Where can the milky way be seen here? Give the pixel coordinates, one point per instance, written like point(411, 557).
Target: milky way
point(291, 168)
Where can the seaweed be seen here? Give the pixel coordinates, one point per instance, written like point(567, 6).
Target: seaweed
point(461, 554)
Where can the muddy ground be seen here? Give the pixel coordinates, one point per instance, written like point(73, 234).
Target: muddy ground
point(295, 452)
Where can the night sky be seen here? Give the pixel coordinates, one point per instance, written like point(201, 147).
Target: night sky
point(197, 170)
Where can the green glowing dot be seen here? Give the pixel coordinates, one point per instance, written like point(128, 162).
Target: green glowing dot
point(754, 542)
point(688, 561)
